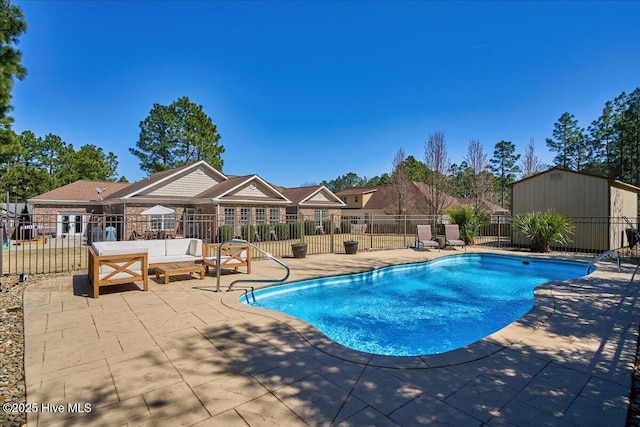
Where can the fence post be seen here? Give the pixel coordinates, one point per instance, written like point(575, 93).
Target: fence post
point(499, 238)
point(404, 237)
point(332, 235)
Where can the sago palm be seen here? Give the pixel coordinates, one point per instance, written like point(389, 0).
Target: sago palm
point(543, 229)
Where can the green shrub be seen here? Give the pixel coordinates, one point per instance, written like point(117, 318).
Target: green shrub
point(309, 227)
point(543, 229)
point(345, 225)
point(225, 233)
point(326, 225)
point(248, 232)
point(469, 218)
point(264, 232)
point(282, 231)
point(295, 230)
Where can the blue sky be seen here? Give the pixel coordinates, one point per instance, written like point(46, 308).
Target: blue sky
point(307, 91)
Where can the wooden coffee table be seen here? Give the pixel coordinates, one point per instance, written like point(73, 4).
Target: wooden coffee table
point(172, 268)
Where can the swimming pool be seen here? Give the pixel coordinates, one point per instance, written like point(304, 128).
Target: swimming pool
point(420, 309)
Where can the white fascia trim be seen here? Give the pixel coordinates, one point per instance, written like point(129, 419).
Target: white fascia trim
point(335, 198)
point(251, 202)
point(251, 178)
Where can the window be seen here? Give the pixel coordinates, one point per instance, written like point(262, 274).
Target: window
point(274, 216)
point(320, 215)
point(245, 213)
point(356, 199)
point(261, 215)
point(162, 222)
point(230, 216)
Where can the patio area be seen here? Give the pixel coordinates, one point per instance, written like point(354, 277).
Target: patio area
point(181, 354)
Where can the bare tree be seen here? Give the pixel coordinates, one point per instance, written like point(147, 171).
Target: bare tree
point(481, 179)
point(530, 163)
point(437, 161)
point(399, 182)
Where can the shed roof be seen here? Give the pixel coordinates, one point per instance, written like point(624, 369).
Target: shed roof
point(612, 182)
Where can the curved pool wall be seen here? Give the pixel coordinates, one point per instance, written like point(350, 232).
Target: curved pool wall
point(366, 312)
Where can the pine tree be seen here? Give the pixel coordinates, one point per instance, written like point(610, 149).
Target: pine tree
point(177, 134)
point(504, 165)
point(568, 143)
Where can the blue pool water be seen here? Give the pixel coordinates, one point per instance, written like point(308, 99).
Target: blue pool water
point(420, 309)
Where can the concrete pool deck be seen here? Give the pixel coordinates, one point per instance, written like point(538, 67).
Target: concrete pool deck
point(181, 354)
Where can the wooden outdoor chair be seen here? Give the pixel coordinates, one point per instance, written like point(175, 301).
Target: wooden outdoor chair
point(233, 256)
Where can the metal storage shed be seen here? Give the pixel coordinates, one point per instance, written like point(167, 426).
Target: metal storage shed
point(595, 204)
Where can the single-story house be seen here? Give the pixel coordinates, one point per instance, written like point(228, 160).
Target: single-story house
point(191, 200)
point(594, 203)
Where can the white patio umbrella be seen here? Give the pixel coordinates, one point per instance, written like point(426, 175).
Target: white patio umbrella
point(158, 210)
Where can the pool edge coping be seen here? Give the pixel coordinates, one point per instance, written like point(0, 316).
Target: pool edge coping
point(503, 339)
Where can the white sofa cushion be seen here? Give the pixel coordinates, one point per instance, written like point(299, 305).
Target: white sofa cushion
point(177, 247)
point(152, 247)
point(159, 251)
point(195, 247)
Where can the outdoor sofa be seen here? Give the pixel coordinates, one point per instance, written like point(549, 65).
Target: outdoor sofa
point(112, 263)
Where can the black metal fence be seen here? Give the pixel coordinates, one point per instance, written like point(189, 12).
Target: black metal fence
point(50, 243)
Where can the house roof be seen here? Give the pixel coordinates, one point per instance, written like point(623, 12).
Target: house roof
point(244, 189)
point(312, 196)
point(159, 178)
point(418, 194)
point(194, 183)
point(81, 191)
point(356, 190)
point(490, 206)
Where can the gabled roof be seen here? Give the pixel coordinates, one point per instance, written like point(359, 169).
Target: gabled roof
point(160, 178)
point(313, 196)
point(356, 190)
point(490, 206)
point(416, 199)
point(244, 189)
point(80, 192)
